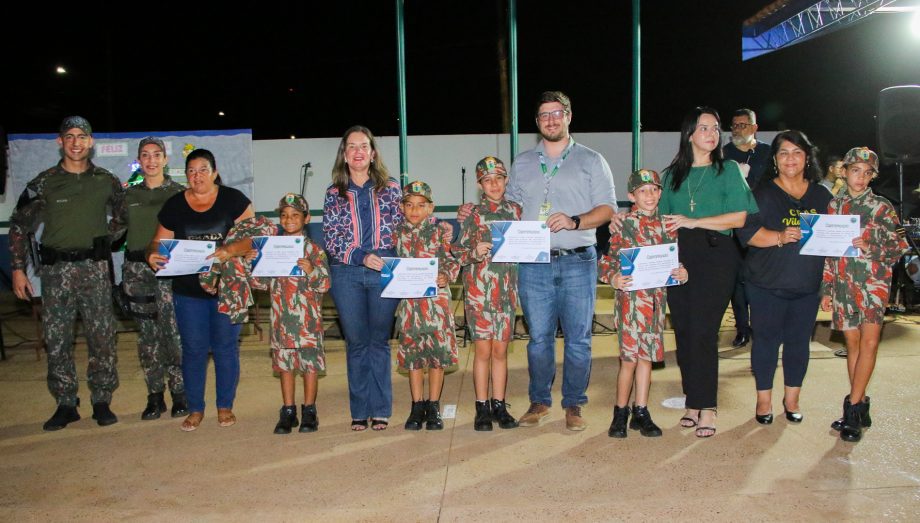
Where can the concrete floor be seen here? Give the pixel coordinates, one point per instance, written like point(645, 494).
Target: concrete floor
point(150, 470)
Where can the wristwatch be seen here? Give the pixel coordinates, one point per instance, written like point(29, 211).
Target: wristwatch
point(577, 220)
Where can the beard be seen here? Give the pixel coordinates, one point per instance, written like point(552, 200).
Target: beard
point(739, 140)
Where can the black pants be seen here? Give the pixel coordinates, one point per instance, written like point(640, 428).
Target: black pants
point(697, 307)
point(787, 320)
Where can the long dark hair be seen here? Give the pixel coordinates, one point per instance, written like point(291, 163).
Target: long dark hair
point(206, 155)
point(683, 161)
point(813, 172)
point(378, 171)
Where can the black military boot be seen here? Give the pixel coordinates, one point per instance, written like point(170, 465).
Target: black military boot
point(483, 420)
point(502, 416)
point(416, 416)
point(287, 418)
point(642, 421)
point(618, 425)
point(180, 405)
point(838, 423)
point(103, 414)
point(433, 416)
point(852, 422)
point(62, 416)
point(156, 405)
point(309, 422)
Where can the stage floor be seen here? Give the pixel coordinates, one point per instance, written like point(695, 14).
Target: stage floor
point(150, 470)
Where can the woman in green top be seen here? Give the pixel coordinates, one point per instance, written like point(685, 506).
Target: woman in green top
point(150, 299)
point(704, 197)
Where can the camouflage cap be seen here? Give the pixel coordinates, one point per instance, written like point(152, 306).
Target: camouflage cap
point(75, 122)
point(861, 154)
point(417, 188)
point(490, 165)
point(151, 140)
point(642, 177)
point(294, 201)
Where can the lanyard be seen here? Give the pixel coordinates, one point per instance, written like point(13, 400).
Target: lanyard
point(565, 154)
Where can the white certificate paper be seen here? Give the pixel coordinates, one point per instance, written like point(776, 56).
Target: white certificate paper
point(186, 257)
point(277, 256)
point(520, 242)
point(650, 266)
point(409, 278)
point(829, 234)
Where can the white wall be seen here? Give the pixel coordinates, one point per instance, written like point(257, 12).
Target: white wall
point(436, 160)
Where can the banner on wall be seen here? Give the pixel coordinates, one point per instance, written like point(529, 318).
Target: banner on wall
point(31, 154)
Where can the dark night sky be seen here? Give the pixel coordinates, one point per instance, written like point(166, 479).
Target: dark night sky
point(313, 69)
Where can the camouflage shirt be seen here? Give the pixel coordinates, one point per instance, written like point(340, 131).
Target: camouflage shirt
point(427, 324)
point(297, 316)
point(74, 208)
point(640, 315)
point(490, 287)
point(859, 283)
point(230, 280)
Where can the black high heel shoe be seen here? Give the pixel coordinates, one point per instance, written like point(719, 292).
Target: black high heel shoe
point(764, 419)
point(792, 417)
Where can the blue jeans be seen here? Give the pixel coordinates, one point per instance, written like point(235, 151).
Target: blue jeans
point(367, 321)
point(562, 291)
point(202, 330)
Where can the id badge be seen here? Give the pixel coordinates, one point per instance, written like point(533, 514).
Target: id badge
point(545, 207)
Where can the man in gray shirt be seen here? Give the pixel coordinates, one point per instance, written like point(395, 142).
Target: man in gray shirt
point(570, 187)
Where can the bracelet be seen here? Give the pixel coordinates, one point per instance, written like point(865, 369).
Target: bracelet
point(779, 239)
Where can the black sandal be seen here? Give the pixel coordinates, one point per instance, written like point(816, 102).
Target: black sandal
point(700, 428)
point(379, 424)
point(358, 425)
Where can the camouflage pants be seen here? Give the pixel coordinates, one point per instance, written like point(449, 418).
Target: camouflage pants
point(158, 348)
point(69, 288)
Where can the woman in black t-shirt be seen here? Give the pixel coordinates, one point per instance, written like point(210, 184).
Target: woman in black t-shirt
point(782, 285)
point(204, 211)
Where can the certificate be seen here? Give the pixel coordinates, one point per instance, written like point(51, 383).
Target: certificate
point(650, 266)
point(829, 234)
point(520, 242)
point(409, 278)
point(277, 256)
point(186, 256)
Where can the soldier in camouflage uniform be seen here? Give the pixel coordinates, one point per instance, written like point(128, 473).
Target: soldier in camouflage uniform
point(491, 294)
point(640, 315)
point(72, 199)
point(151, 300)
point(297, 319)
point(427, 338)
point(856, 288)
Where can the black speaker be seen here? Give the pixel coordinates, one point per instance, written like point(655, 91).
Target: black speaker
point(899, 124)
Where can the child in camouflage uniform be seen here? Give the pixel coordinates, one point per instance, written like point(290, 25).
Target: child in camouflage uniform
point(640, 315)
point(491, 294)
point(856, 289)
point(427, 325)
point(297, 319)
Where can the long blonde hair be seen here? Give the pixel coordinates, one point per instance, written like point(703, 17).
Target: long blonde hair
point(378, 171)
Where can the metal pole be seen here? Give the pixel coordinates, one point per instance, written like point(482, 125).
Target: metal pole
point(401, 64)
point(512, 77)
point(636, 89)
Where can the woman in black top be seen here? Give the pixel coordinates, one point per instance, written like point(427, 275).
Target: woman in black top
point(205, 211)
point(782, 285)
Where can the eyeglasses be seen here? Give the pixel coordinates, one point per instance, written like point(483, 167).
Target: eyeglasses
point(741, 126)
point(706, 129)
point(555, 115)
